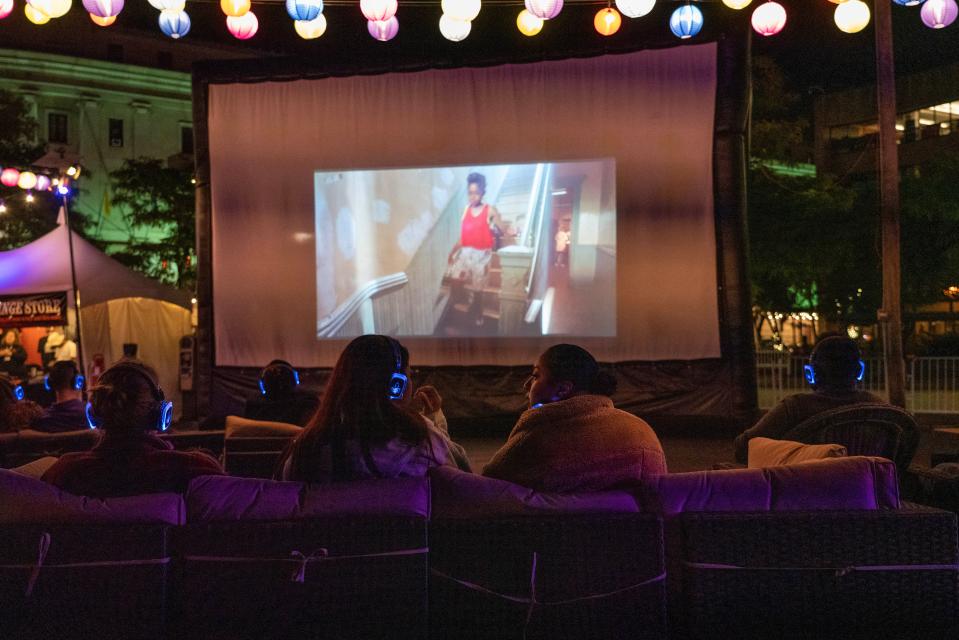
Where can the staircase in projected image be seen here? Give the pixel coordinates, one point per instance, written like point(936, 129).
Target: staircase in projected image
point(464, 315)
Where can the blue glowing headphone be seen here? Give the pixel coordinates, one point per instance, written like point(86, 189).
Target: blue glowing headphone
point(398, 380)
point(78, 382)
point(18, 392)
point(278, 363)
point(164, 407)
point(809, 372)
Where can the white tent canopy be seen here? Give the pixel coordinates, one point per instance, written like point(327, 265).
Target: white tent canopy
point(117, 304)
point(44, 266)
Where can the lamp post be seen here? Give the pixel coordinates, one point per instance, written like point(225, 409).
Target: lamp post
point(890, 315)
point(73, 278)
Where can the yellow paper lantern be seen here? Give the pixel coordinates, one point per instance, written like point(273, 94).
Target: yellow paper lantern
point(528, 24)
point(27, 180)
point(310, 29)
point(737, 4)
point(607, 21)
point(103, 22)
point(235, 8)
point(852, 16)
point(52, 8)
point(35, 15)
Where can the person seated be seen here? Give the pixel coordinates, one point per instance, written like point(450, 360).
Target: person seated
point(370, 423)
point(572, 438)
point(128, 406)
point(279, 398)
point(835, 367)
point(16, 413)
point(68, 413)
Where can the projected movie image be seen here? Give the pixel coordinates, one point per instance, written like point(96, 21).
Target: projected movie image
point(511, 250)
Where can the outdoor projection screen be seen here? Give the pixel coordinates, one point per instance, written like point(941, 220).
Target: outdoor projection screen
point(337, 204)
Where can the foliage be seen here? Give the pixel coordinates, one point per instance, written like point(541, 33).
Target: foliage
point(154, 195)
point(780, 130)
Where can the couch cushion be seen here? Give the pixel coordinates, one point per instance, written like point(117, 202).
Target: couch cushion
point(237, 427)
point(28, 500)
point(456, 494)
point(224, 498)
point(766, 452)
point(857, 482)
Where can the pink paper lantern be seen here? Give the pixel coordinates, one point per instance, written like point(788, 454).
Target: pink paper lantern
point(6, 7)
point(43, 183)
point(103, 8)
point(769, 18)
point(383, 30)
point(243, 27)
point(378, 10)
point(9, 177)
point(937, 14)
point(544, 9)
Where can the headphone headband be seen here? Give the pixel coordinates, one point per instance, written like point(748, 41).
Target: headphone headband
point(278, 363)
point(164, 407)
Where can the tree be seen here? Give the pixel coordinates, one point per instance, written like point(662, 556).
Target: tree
point(21, 221)
point(161, 198)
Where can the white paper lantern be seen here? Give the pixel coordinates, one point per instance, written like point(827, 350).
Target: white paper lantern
point(769, 18)
point(544, 9)
point(453, 29)
point(737, 4)
point(461, 9)
point(635, 8)
point(168, 5)
point(243, 27)
point(52, 8)
point(378, 10)
point(851, 16)
point(310, 29)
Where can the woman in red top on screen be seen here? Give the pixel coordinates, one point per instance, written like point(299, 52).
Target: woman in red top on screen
point(469, 260)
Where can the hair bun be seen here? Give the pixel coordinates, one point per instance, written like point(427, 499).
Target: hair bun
point(604, 383)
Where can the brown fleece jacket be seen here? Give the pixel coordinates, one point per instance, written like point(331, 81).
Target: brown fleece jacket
point(582, 443)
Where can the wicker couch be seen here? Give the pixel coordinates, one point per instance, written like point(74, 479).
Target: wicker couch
point(817, 550)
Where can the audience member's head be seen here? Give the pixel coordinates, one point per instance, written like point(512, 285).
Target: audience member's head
point(358, 405)
point(278, 380)
point(63, 380)
point(11, 337)
point(15, 413)
point(836, 362)
point(127, 399)
point(564, 371)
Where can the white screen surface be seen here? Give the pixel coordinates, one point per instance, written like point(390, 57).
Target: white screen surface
point(647, 115)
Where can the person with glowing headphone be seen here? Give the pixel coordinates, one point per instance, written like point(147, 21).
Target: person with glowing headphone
point(68, 413)
point(834, 368)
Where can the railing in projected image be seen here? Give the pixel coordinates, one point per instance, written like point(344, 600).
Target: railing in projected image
point(932, 385)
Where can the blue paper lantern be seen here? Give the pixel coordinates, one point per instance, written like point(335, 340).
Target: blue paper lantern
point(686, 21)
point(304, 9)
point(175, 24)
point(908, 3)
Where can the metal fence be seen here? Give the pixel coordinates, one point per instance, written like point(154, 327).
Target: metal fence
point(932, 384)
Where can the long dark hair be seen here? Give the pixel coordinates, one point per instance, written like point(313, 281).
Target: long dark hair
point(356, 407)
point(570, 363)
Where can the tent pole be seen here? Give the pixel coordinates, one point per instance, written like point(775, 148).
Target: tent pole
point(76, 289)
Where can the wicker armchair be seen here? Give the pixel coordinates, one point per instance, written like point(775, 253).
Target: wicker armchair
point(865, 430)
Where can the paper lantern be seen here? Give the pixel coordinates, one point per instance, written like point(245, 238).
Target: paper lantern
point(43, 183)
point(305, 10)
point(686, 21)
point(461, 10)
point(453, 28)
point(635, 8)
point(851, 16)
point(6, 8)
point(168, 5)
point(175, 24)
point(378, 11)
point(27, 180)
point(103, 8)
point(607, 21)
point(310, 29)
point(243, 27)
point(102, 22)
point(51, 8)
point(737, 4)
point(937, 14)
point(907, 3)
point(34, 15)
point(383, 30)
point(9, 177)
point(769, 18)
point(234, 8)
point(528, 24)
point(544, 9)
